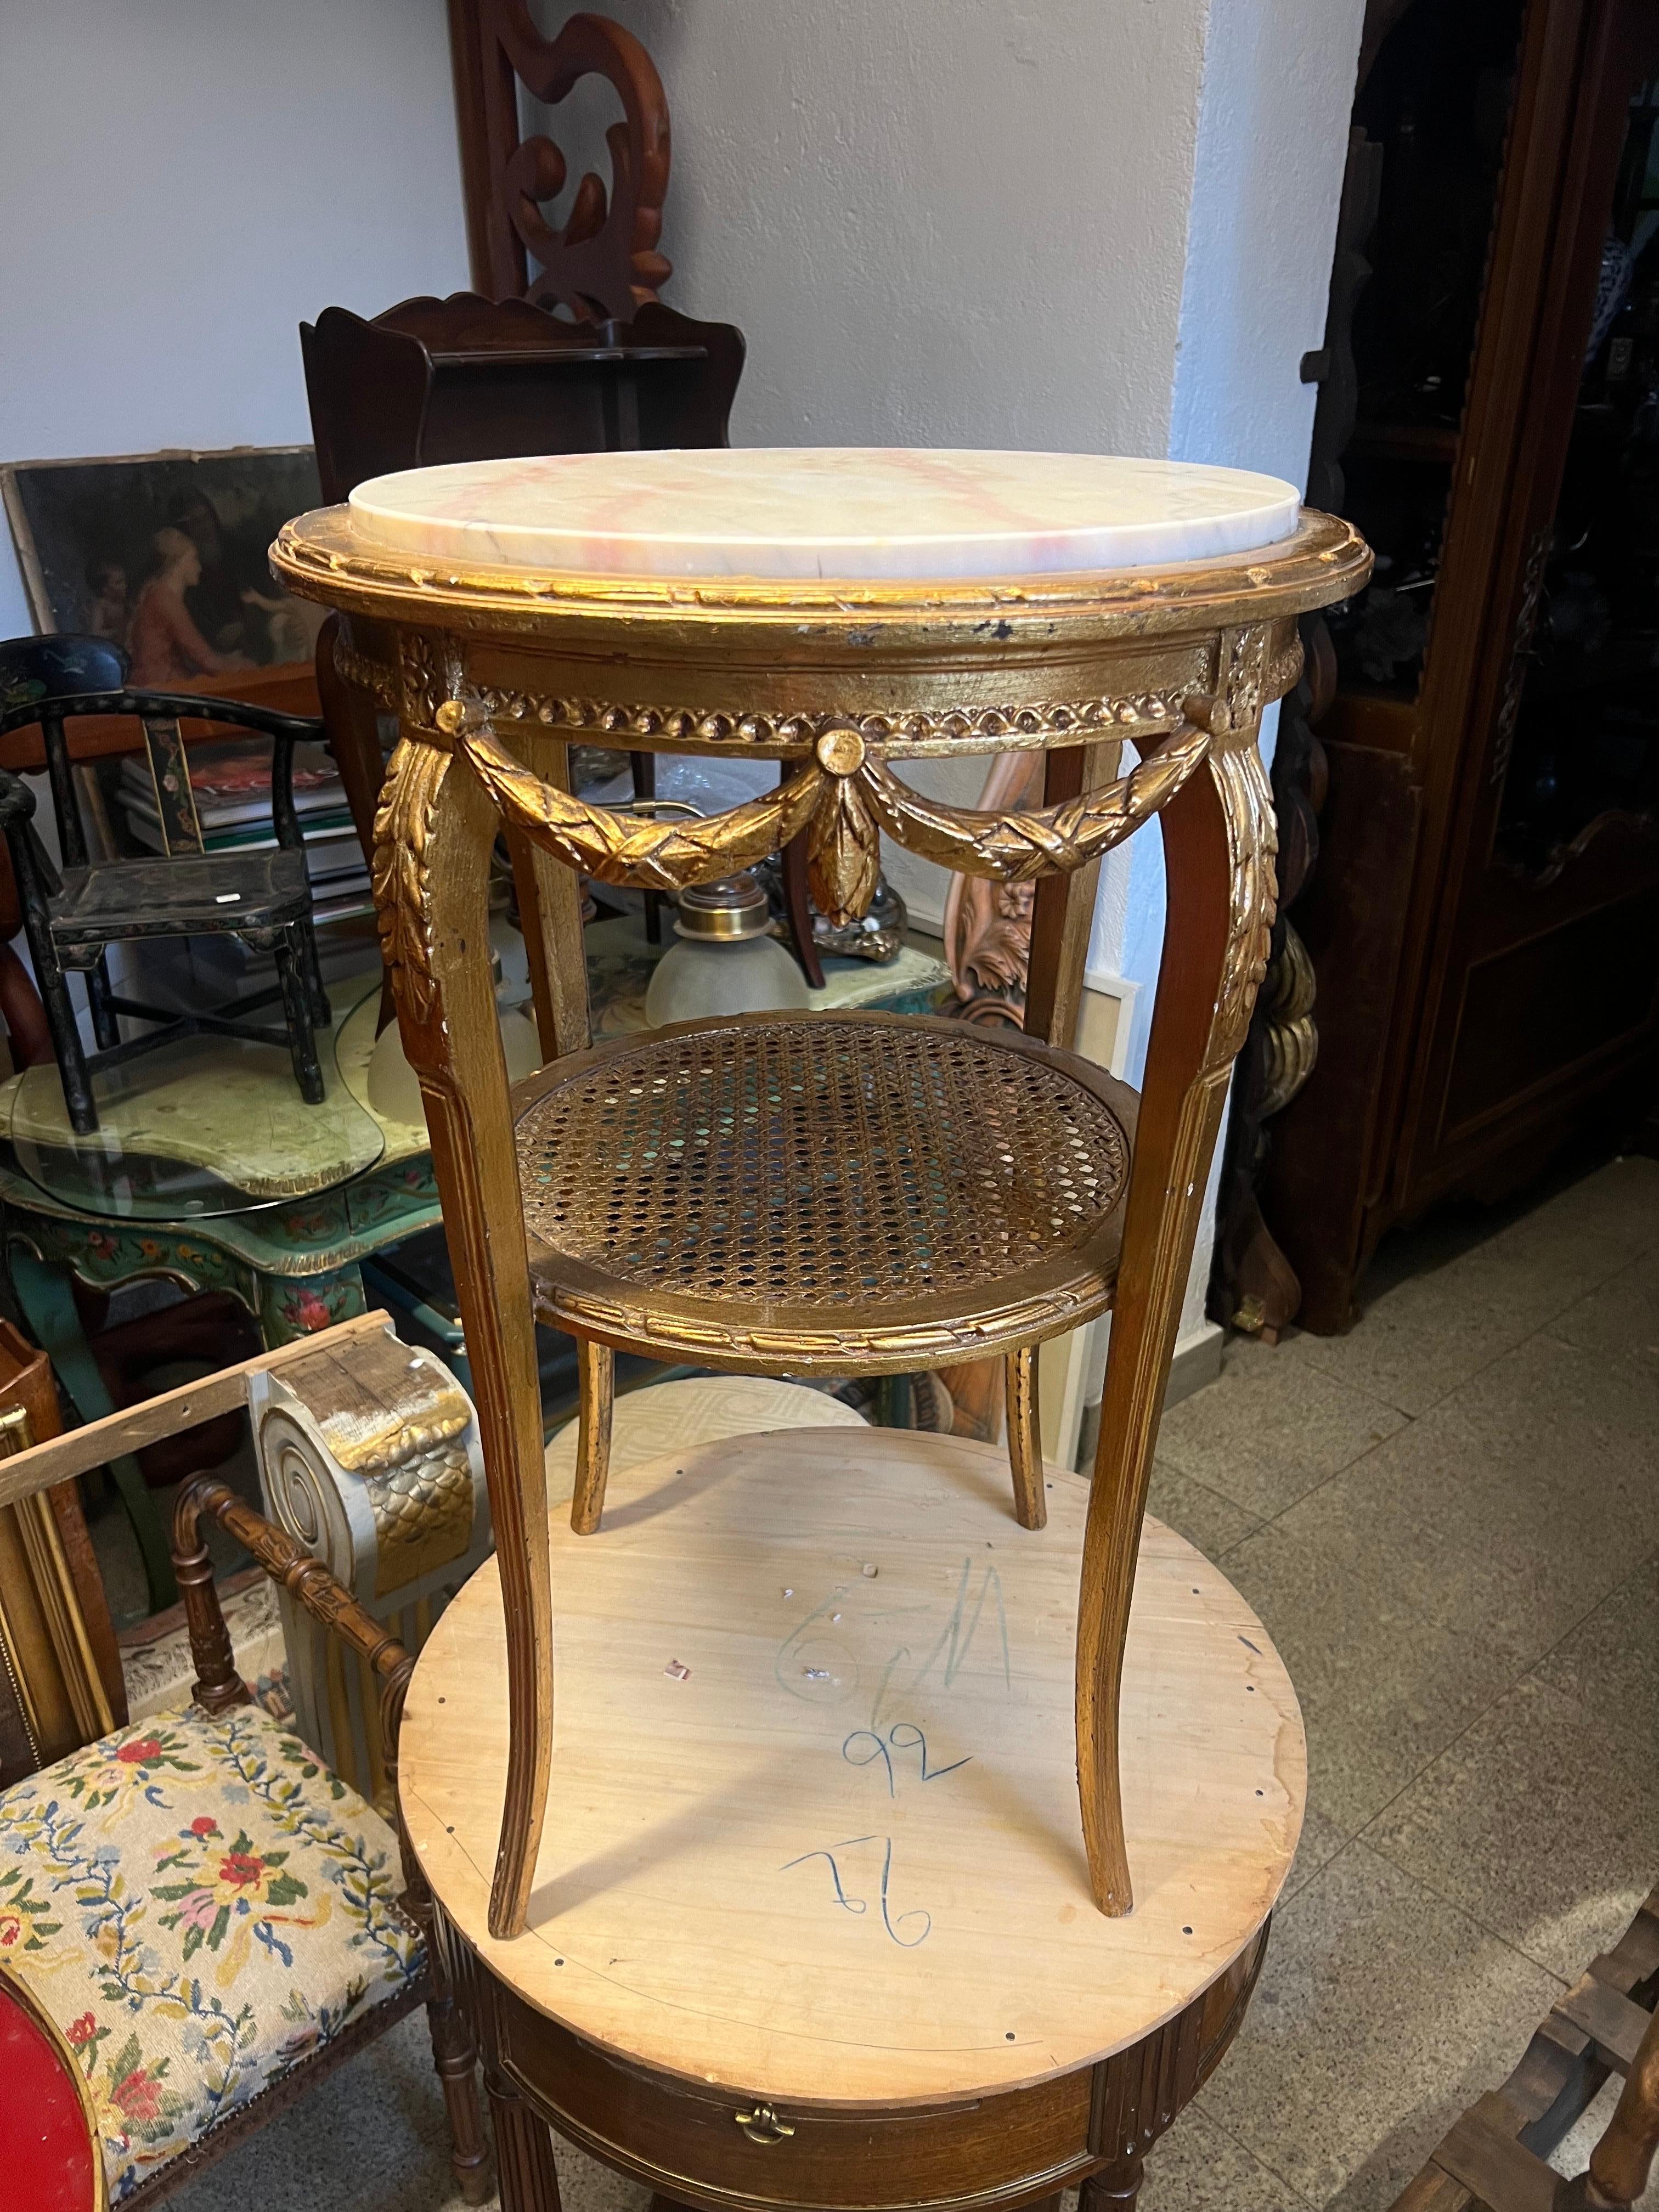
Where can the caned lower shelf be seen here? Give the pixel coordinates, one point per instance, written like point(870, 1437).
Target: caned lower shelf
point(848, 1192)
point(812, 1832)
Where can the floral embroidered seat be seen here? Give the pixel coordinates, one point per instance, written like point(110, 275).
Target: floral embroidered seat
point(200, 1906)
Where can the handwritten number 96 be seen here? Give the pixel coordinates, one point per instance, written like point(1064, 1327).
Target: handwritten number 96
point(892, 1921)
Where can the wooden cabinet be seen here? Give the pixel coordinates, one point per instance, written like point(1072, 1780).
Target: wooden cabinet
point(1484, 917)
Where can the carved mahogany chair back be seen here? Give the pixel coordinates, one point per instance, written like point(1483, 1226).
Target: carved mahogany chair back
point(603, 264)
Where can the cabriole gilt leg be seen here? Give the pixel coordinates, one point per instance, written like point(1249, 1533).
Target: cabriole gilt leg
point(433, 839)
point(596, 1365)
point(1025, 1437)
point(1219, 845)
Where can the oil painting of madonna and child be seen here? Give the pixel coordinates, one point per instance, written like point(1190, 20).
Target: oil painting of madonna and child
point(164, 553)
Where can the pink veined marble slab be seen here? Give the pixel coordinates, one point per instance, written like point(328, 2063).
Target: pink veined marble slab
point(863, 513)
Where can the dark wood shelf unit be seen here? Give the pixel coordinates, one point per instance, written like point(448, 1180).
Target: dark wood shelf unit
point(1483, 918)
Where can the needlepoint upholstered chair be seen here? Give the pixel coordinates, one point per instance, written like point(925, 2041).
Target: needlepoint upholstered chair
point(212, 1918)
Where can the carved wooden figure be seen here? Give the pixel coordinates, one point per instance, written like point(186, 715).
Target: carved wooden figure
point(822, 1193)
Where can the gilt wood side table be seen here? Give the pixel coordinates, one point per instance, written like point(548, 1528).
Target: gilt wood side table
point(812, 1193)
point(813, 1924)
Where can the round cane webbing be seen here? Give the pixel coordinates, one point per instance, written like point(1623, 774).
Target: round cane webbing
point(819, 1163)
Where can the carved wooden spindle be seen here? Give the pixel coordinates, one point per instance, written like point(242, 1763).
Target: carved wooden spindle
point(1025, 1436)
point(597, 1365)
point(218, 1686)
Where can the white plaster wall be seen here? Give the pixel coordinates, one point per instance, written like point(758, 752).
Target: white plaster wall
point(938, 222)
point(1278, 79)
point(181, 183)
point(1098, 224)
point(948, 222)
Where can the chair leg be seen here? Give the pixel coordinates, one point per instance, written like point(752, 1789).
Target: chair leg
point(596, 1367)
point(644, 766)
point(66, 1044)
point(297, 1006)
point(105, 1026)
point(321, 1012)
point(527, 2177)
point(1025, 1437)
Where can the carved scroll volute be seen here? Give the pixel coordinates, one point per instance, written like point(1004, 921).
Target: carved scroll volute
point(433, 838)
point(604, 263)
point(1219, 844)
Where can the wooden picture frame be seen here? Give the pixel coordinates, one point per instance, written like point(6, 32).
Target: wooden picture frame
point(53, 508)
point(86, 531)
point(60, 1673)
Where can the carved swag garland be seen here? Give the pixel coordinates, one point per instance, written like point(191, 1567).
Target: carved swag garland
point(845, 798)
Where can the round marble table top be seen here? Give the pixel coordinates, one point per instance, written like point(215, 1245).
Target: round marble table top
point(861, 513)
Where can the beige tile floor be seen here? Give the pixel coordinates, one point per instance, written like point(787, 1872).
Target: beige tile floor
point(1450, 1521)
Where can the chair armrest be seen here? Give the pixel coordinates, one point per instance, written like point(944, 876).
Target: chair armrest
point(17, 801)
point(284, 820)
point(31, 865)
point(218, 1686)
point(284, 730)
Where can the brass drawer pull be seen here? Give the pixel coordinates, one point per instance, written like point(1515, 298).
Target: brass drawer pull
point(762, 2125)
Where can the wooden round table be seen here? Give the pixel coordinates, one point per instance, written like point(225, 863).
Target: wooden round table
point(811, 1924)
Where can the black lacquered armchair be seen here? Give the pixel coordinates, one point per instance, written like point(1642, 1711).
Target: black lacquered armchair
point(71, 918)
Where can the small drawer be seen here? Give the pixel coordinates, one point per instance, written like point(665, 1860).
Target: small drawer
point(733, 2149)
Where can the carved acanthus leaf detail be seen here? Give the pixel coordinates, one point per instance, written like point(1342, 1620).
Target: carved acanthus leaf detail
point(422, 677)
point(1253, 843)
point(844, 855)
point(403, 837)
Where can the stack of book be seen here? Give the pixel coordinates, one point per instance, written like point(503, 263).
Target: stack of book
point(232, 786)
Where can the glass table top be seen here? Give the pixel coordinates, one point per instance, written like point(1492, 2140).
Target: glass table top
point(204, 1126)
